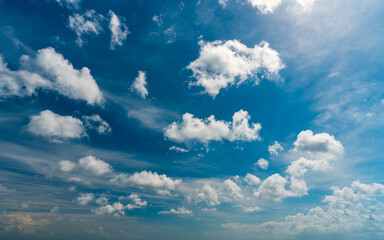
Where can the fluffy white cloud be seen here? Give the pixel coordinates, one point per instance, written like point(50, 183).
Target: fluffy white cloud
point(178, 211)
point(116, 209)
point(273, 188)
point(95, 122)
point(95, 166)
point(221, 64)
point(208, 195)
point(102, 200)
point(119, 30)
point(85, 24)
point(55, 127)
point(192, 128)
point(223, 3)
point(148, 180)
point(140, 85)
point(275, 148)
point(66, 166)
point(136, 202)
point(233, 188)
point(265, 6)
point(262, 163)
point(85, 198)
point(49, 70)
point(251, 179)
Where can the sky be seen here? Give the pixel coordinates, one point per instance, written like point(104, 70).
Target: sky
point(201, 119)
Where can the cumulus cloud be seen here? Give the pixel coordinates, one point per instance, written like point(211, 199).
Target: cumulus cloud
point(178, 211)
point(208, 195)
point(66, 166)
point(95, 122)
point(275, 148)
point(148, 180)
point(140, 85)
point(136, 202)
point(49, 70)
point(94, 165)
point(273, 188)
point(262, 163)
point(265, 6)
point(233, 188)
point(85, 198)
point(192, 128)
point(85, 24)
point(221, 64)
point(55, 127)
point(119, 30)
point(251, 179)
point(117, 208)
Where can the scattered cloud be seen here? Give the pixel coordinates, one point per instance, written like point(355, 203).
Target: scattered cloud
point(221, 64)
point(55, 127)
point(275, 148)
point(251, 180)
point(118, 209)
point(95, 122)
point(94, 165)
point(178, 149)
point(178, 211)
point(75, 4)
point(66, 166)
point(192, 128)
point(85, 198)
point(262, 163)
point(140, 85)
point(119, 30)
point(85, 24)
point(208, 195)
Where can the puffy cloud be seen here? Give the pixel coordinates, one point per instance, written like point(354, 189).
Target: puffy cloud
point(233, 188)
point(85, 198)
point(119, 30)
point(95, 166)
point(250, 209)
point(55, 127)
point(262, 163)
point(140, 85)
point(66, 166)
point(192, 128)
point(251, 179)
point(178, 149)
point(95, 122)
point(49, 70)
point(265, 6)
point(137, 202)
point(273, 188)
point(299, 167)
point(221, 64)
point(102, 200)
point(148, 180)
point(85, 24)
point(223, 3)
point(178, 211)
point(275, 148)
point(116, 209)
point(208, 195)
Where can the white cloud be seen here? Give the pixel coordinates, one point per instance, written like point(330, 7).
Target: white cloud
point(85, 24)
point(70, 3)
point(265, 6)
point(95, 166)
point(171, 34)
point(158, 19)
point(262, 163)
point(55, 127)
point(233, 188)
point(178, 149)
point(212, 130)
point(85, 198)
point(54, 209)
point(148, 180)
point(119, 30)
point(251, 179)
point(66, 166)
point(208, 195)
point(178, 211)
point(136, 202)
point(250, 209)
point(116, 209)
point(273, 188)
point(306, 4)
point(140, 85)
point(221, 64)
point(223, 3)
point(95, 122)
point(102, 200)
point(49, 70)
point(275, 148)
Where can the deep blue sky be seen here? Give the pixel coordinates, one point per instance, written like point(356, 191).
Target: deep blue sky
point(108, 154)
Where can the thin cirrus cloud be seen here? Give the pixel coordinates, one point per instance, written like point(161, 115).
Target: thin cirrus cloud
point(119, 30)
point(87, 23)
point(49, 70)
point(224, 63)
point(210, 129)
point(57, 128)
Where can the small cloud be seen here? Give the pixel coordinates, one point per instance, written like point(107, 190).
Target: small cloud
point(262, 163)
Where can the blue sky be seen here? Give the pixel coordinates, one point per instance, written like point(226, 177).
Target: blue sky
point(208, 119)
